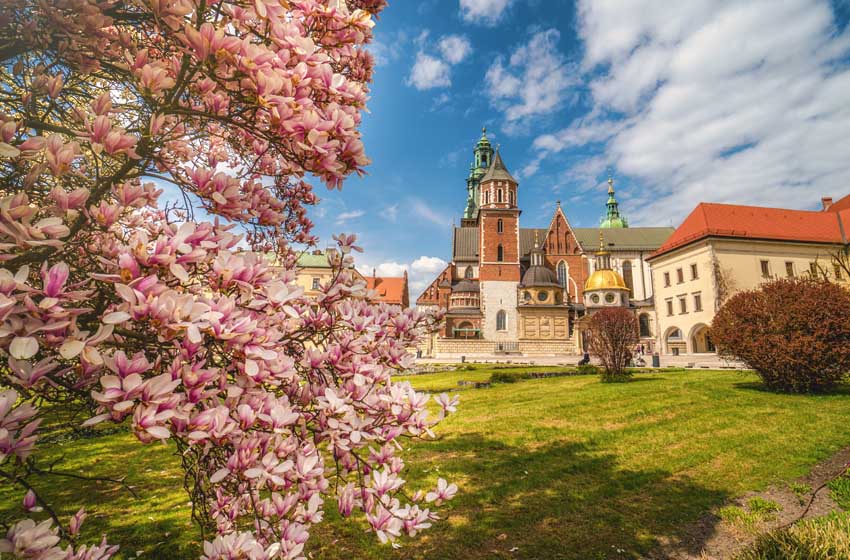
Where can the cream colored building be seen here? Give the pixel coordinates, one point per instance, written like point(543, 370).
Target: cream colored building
point(721, 249)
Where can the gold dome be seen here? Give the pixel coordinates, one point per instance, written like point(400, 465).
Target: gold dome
point(605, 279)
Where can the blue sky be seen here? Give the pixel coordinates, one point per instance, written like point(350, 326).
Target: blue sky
point(734, 101)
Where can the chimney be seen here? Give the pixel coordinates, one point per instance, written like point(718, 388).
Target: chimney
point(826, 202)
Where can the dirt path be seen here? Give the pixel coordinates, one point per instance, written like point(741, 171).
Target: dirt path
point(712, 538)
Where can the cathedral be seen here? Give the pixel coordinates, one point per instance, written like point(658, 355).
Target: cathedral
point(515, 290)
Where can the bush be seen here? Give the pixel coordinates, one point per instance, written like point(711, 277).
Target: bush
point(613, 334)
point(795, 333)
point(824, 538)
point(508, 377)
point(588, 369)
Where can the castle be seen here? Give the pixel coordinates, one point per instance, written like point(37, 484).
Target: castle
point(510, 289)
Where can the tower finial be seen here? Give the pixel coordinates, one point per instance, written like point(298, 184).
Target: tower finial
point(601, 242)
point(535, 239)
point(610, 185)
point(483, 130)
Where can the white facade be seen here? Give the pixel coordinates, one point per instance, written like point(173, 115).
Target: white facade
point(499, 296)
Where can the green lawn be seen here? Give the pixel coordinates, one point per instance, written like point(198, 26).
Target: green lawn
point(563, 467)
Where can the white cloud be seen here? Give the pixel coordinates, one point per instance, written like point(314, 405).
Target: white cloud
point(351, 215)
point(739, 101)
point(391, 213)
point(484, 12)
point(421, 209)
point(429, 72)
point(454, 48)
point(421, 272)
point(534, 82)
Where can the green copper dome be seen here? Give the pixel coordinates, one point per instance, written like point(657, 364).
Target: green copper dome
point(612, 218)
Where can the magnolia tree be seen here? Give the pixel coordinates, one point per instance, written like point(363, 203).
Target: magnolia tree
point(116, 307)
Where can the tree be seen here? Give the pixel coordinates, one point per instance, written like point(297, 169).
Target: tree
point(794, 332)
point(115, 307)
point(613, 333)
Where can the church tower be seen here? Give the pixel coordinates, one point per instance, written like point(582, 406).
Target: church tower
point(483, 156)
point(612, 218)
point(499, 251)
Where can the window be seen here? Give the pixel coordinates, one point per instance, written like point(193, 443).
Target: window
point(765, 269)
point(500, 226)
point(694, 272)
point(316, 283)
point(511, 197)
point(666, 278)
point(609, 298)
point(697, 302)
point(669, 307)
point(500, 254)
point(643, 322)
point(627, 277)
point(487, 197)
point(468, 272)
point(562, 274)
point(499, 195)
point(501, 320)
point(789, 269)
point(594, 298)
point(836, 268)
point(680, 276)
point(683, 305)
point(526, 296)
point(813, 268)
point(542, 296)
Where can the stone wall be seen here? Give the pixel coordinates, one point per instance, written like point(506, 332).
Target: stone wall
point(453, 348)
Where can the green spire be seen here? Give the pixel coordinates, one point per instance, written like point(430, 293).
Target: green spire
point(483, 157)
point(612, 217)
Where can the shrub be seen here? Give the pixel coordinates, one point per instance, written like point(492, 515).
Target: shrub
point(588, 369)
point(824, 538)
point(612, 335)
point(507, 377)
point(795, 333)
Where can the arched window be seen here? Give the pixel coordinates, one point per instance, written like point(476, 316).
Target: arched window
point(562, 274)
point(486, 197)
point(644, 325)
point(511, 197)
point(500, 227)
point(627, 277)
point(499, 195)
point(500, 254)
point(501, 320)
point(468, 272)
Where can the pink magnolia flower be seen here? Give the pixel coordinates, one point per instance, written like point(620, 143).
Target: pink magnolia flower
point(445, 491)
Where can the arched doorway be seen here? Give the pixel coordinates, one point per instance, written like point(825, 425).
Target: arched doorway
point(701, 340)
point(674, 341)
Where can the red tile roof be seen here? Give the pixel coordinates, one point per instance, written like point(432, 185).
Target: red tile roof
point(390, 290)
point(756, 222)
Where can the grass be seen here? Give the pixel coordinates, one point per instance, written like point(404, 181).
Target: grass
point(556, 468)
point(839, 490)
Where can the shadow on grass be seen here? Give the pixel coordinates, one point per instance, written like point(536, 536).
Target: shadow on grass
point(561, 501)
point(843, 390)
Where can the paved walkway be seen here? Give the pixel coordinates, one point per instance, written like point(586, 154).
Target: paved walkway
point(705, 361)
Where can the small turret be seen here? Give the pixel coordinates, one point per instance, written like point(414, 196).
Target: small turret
point(612, 218)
